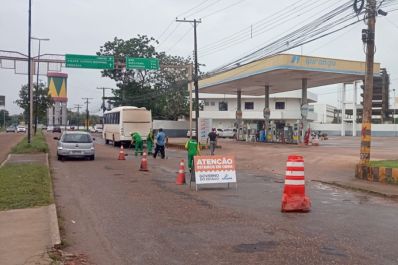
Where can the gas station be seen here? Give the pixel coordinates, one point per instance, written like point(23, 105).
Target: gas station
point(282, 73)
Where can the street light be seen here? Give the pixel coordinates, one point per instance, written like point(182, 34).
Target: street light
point(393, 111)
point(37, 80)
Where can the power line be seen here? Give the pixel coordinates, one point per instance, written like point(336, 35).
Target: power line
point(191, 9)
point(320, 27)
point(264, 26)
point(222, 9)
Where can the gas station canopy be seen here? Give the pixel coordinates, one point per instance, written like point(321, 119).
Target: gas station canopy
point(285, 72)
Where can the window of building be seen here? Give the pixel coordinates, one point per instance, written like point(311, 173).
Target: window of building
point(279, 105)
point(223, 106)
point(207, 103)
point(249, 105)
point(212, 103)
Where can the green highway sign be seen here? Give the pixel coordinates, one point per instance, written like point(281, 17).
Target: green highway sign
point(89, 61)
point(142, 63)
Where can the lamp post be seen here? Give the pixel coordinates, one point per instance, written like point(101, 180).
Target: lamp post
point(393, 112)
point(37, 80)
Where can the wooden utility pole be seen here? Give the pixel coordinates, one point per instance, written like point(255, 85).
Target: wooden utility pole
point(78, 106)
point(87, 115)
point(366, 132)
point(196, 75)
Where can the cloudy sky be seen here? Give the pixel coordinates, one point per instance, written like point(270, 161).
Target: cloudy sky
point(82, 26)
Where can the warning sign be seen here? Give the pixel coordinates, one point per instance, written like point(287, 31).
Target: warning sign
point(215, 169)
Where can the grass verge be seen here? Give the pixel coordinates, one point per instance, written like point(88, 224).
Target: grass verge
point(38, 145)
point(24, 186)
point(384, 163)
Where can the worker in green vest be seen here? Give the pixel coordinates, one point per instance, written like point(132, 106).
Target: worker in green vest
point(193, 149)
point(149, 142)
point(137, 140)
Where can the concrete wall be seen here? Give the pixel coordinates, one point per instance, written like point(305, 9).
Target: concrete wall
point(335, 129)
point(173, 128)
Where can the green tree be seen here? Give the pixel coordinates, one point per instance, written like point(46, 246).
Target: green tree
point(4, 115)
point(43, 100)
point(164, 91)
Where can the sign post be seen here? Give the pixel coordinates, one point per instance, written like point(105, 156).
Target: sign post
point(89, 61)
point(142, 63)
point(215, 169)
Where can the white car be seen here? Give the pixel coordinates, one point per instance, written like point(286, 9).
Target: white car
point(228, 133)
point(189, 133)
point(21, 128)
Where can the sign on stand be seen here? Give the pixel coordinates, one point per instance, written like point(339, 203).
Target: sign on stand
point(205, 126)
point(215, 170)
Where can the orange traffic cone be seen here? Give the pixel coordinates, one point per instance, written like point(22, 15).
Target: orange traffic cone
point(144, 163)
point(294, 199)
point(181, 174)
point(121, 153)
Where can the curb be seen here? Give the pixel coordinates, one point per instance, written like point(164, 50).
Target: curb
point(5, 161)
point(356, 188)
point(52, 212)
point(54, 228)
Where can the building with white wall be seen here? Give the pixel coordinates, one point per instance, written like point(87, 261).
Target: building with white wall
point(324, 112)
point(285, 108)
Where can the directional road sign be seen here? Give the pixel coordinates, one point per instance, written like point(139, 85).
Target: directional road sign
point(142, 63)
point(89, 61)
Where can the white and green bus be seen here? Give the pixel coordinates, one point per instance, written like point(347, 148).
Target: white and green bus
point(121, 122)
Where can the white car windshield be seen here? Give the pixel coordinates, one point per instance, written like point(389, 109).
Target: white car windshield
point(76, 138)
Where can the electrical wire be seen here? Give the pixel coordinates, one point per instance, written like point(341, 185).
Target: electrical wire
point(269, 26)
point(172, 47)
point(300, 36)
point(267, 22)
point(222, 9)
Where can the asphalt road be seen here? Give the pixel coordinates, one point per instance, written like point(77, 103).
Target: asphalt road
point(7, 141)
point(116, 214)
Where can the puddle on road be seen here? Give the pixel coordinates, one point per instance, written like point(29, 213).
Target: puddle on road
point(260, 246)
point(332, 251)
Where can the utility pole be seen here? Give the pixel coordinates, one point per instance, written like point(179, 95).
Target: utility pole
point(196, 76)
point(369, 38)
point(87, 115)
point(78, 114)
point(30, 97)
point(103, 102)
point(37, 81)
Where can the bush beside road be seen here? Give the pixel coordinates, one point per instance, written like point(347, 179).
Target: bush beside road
point(24, 186)
point(37, 145)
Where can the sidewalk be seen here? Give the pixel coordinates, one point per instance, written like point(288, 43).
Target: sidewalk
point(387, 190)
point(27, 234)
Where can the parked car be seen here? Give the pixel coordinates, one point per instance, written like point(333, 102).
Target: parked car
point(50, 128)
point(219, 131)
point(75, 144)
point(189, 133)
point(228, 133)
point(57, 129)
point(21, 128)
point(98, 128)
point(11, 129)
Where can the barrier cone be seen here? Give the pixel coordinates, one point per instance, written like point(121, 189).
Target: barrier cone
point(180, 180)
point(144, 163)
point(121, 153)
point(294, 199)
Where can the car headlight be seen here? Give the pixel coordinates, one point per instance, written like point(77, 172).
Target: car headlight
point(60, 148)
point(92, 148)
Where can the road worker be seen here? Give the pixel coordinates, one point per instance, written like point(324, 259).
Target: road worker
point(149, 142)
point(193, 149)
point(137, 140)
